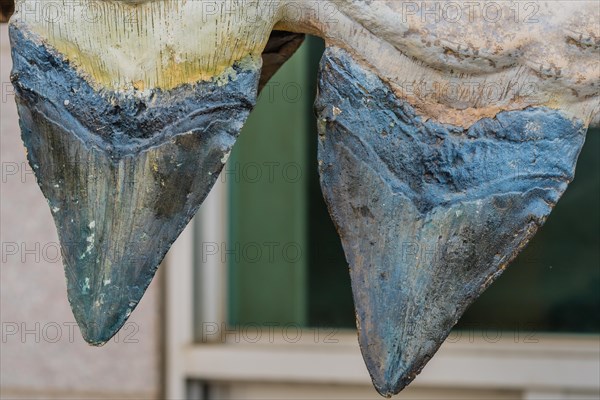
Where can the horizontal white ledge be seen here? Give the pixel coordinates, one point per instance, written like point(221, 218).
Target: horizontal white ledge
point(553, 362)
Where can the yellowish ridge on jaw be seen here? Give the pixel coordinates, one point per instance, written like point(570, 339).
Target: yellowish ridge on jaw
point(126, 45)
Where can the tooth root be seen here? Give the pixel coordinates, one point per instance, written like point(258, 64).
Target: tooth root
point(280, 47)
point(429, 214)
point(123, 174)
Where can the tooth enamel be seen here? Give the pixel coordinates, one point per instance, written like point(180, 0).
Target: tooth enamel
point(438, 239)
point(143, 174)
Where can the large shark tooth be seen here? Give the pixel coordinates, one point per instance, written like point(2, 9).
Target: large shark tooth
point(127, 132)
point(429, 214)
point(123, 173)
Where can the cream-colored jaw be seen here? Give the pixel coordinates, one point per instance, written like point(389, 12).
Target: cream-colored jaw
point(129, 44)
point(460, 61)
point(456, 62)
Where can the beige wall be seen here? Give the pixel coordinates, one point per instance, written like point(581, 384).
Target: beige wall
point(51, 360)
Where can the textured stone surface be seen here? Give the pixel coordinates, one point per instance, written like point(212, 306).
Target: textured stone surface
point(123, 173)
point(429, 214)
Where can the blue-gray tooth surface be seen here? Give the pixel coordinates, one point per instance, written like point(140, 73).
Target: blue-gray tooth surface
point(123, 175)
point(429, 214)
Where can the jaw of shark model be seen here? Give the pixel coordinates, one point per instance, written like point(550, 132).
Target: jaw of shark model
point(454, 132)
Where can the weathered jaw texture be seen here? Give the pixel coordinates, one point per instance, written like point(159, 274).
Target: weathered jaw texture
point(459, 66)
point(128, 125)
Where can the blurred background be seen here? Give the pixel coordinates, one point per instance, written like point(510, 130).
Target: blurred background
point(254, 300)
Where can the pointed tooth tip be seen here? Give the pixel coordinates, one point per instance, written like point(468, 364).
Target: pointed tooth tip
point(392, 365)
point(386, 390)
point(99, 323)
point(96, 338)
point(94, 343)
point(388, 386)
point(383, 389)
point(95, 335)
